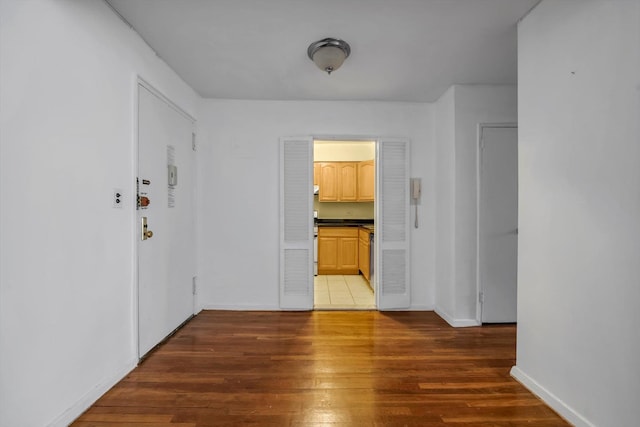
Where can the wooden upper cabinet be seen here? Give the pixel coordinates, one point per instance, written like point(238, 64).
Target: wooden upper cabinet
point(328, 182)
point(316, 173)
point(338, 181)
point(345, 181)
point(348, 182)
point(366, 181)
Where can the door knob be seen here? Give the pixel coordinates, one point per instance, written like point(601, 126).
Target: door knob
point(146, 233)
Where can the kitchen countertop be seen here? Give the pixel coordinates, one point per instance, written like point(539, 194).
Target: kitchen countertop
point(364, 223)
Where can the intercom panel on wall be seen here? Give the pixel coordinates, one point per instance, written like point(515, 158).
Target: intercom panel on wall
point(173, 175)
point(416, 192)
point(416, 189)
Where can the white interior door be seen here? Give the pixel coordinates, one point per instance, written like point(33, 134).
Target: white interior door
point(498, 223)
point(392, 272)
point(166, 258)
point(296, 223)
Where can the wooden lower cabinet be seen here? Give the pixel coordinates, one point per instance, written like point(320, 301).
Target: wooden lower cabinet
point(338, 250)
point(364, 260)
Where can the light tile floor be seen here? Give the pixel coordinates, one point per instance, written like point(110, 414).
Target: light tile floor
point(343, 293)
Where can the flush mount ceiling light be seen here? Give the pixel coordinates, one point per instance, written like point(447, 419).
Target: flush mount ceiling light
point(329, 54)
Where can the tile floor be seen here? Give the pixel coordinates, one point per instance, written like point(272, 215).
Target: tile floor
point(343, 293)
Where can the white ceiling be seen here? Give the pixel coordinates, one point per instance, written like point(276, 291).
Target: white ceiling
point(401, 50)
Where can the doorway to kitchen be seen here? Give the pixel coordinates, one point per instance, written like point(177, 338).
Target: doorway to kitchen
point(391, 279)
point(344, 224)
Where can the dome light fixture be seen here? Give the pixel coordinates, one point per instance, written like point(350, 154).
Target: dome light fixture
point(329, 54)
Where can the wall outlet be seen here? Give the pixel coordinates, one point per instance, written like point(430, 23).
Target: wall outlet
point(118, 198)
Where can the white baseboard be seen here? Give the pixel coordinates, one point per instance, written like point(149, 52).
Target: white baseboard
point(564, 410)
point(271, 308)
point(68, 416)
point(456, 323)
point(425, 307)
point(240, 307)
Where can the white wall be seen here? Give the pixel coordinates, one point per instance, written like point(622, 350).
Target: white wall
point(473, 105)
point(458, 113)
point(239, 166)
point(579, 242)
point(344, 151)
point(67, 131)
point(445, 142)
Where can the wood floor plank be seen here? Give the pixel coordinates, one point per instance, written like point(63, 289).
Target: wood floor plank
point(133, 418)
point(325, 368)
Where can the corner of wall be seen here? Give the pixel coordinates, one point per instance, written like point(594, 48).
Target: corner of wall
point(85, 402)
point(456, 323)
point(564, 410)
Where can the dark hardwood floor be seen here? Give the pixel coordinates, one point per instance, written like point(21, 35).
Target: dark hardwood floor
point(325, 368)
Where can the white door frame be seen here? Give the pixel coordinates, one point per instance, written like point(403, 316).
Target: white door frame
point(376, 142)
point(390, 302)
point(481, 127)
point(141, 82)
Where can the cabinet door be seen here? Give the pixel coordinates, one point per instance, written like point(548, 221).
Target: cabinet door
point(348, 261)
point(366, 181)
point(328, 182)
point(316, 173)
point(363, 252)
point(363, 257)
point(338, 250)
point(327, 254)
point(348, 182)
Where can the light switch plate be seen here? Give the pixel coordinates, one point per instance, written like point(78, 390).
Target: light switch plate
point(118, 198)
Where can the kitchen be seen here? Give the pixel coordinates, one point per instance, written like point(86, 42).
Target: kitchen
point(344, 193)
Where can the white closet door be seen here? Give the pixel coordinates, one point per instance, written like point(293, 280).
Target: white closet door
point(296, 223)
point(392, 225)
point(498, 224)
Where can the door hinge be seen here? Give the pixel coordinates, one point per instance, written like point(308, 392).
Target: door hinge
point(481, 297)
point(193, 141)
point(194, 285)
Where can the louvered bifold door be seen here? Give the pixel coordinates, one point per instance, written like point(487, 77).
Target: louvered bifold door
point(392, 225)
point(296, 224)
